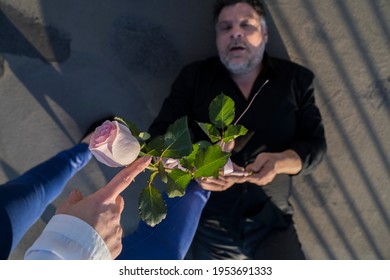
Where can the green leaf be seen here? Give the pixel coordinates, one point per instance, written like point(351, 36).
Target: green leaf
point(156, 147)
point(177, 182)
point(203, 144)
point(208, 161)
point(152, 208)
point(178, 138)
point(188, 162)
point(211, 131)
point(143, 136)
point(133, 128)
point(221, 111)
point(161, 171)
point(176, 142)
point(233, 131)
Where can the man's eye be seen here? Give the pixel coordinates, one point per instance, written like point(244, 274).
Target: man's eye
point(247, 25)
point(225, 28)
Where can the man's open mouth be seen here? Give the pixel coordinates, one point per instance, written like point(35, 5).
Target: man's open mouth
point(237, 48)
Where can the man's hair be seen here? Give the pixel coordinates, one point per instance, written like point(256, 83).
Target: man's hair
point(220, 4)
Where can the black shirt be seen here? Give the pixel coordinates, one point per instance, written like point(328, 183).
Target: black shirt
point(282, 116)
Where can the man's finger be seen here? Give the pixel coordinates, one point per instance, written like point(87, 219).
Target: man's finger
point(213, 188)
point(236, 179)
point(123, 179)
point(210, 181)
point(258, 164)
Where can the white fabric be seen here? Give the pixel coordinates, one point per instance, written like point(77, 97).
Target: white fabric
point(68, 238)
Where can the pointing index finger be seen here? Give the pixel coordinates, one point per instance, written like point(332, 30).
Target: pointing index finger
point(123, 179)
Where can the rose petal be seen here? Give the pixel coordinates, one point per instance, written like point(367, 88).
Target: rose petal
point(113, 144)
point(125, 148)
point(101, 154)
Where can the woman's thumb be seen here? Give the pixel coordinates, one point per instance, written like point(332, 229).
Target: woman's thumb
point(74, 197)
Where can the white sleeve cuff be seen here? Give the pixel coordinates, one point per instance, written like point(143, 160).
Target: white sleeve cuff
point(68, 238)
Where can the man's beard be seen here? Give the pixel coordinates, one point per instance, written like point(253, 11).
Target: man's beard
point(246, 66)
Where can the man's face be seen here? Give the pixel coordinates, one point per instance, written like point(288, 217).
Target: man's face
point(240, 38)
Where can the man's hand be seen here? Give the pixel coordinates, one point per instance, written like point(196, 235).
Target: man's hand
point(102, 209)
point(224, 181)
point(268, 165)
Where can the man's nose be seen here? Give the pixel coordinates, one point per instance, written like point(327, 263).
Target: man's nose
point(236, 33)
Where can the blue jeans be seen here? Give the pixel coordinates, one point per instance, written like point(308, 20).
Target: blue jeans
point(24, 199)
point(170, 239)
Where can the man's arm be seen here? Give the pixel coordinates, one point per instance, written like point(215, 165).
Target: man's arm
point(310, 141)
point(268, 165)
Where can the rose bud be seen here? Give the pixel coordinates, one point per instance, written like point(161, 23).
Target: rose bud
point(113, 144)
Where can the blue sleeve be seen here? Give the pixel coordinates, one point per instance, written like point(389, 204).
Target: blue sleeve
point(23, 199)
point(170, 239)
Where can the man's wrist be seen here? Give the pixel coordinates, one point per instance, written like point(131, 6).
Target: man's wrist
point(289, 162)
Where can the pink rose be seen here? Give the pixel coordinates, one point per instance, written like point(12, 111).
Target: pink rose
point(113, 144)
